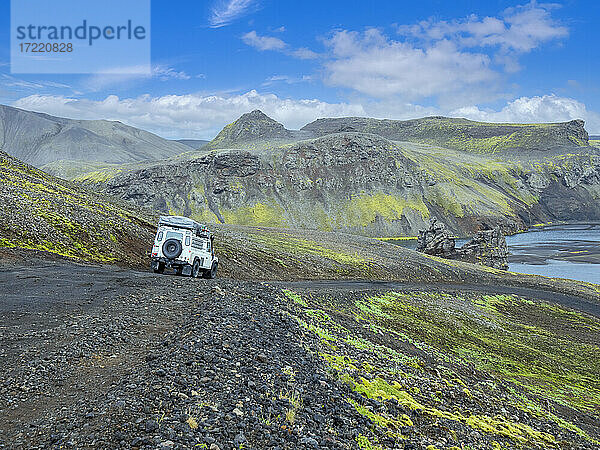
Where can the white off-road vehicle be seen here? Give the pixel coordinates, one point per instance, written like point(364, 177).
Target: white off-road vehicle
point(185, 246)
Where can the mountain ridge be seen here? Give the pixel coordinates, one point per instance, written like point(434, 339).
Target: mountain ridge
point(194, 144)
point(462, 134)
point(39, 139)
point(252, 128)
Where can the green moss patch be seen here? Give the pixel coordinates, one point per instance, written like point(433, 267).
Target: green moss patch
point(470, 360)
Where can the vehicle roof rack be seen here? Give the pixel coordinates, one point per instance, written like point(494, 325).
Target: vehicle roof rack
point(186, 223)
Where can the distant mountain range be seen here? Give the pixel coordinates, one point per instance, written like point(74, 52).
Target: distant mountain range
point(194, 144)
point(255, 130)
point(60, 144)
point(40, 139)
point(366, 176)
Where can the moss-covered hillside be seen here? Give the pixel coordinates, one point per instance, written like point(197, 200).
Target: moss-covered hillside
point(462, 370)
point(41, 212)
point(364, 184)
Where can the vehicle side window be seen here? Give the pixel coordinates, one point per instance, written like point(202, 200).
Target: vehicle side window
point(187, 241)
point(208, 246)
point(159, 237)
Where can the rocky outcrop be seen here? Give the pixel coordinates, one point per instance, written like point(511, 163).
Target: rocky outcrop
point(359, 183)
point(487, 248)
point(436, 240)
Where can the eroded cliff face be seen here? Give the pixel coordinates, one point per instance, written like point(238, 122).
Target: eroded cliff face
point(568, 187)
point(366, 184)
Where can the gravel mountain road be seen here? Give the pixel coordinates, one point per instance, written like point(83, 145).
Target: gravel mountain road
point(95, 356)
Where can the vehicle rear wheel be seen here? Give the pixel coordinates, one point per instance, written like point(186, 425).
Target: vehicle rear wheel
point(212, 273)
point(160, 268)
point(196, 269)
point(172, 248)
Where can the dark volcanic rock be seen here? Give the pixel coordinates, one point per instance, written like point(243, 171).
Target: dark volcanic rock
point(487, 248)
point(436, 240)
point(79, 369)
point(363, 184)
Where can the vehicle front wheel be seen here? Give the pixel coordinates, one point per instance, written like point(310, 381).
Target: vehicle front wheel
point(196, 269)
point(160, 268)
point(212, 273)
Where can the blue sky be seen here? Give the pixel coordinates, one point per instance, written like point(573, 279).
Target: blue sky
point(297, 61)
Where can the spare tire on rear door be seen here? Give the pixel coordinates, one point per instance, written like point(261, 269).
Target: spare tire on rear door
point(172, 248)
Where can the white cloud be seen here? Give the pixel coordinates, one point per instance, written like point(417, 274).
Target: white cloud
point(203, 116)
point(519, 29)
point(122, 78)
point(263, 43)
point(15, 83)
point(227, 11)
point(287, 79)
point(304, 53)
point(372, 64)
point(178, 116)
point(547, 108)
point(440, 58)
point(165, 73)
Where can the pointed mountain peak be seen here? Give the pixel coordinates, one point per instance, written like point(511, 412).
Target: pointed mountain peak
point(251, 126)
point(257, 114)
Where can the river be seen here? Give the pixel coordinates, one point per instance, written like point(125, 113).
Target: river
point(565, 251)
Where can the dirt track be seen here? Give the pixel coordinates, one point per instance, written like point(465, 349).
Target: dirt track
point(75, 337)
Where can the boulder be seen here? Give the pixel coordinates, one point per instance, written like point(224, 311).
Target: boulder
point(487, 248)
point(436, 240)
